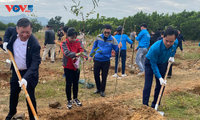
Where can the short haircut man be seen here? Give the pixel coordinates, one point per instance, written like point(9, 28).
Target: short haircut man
point(156, 62)
point(26, 49)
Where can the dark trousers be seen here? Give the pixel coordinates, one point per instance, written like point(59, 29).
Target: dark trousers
point(104, 67)
point(170, 71)
point(148, 82)
point(180, 46)
point(14, 95)
point(132, 44)
point(72, 77)
point(123, 59)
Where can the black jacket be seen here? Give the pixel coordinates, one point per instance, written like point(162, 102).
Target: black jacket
point(49, 37)
point(32, 55)
point(154, 38)
point(60, 35)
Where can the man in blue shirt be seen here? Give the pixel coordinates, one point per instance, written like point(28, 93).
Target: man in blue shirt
point(143, 38)
point(156, 62)
point(123, 38)
point(102, 48)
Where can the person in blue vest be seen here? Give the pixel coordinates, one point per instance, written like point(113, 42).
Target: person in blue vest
point(123, 38)
point(142, 49)
point(157, 58)
point(101, 51)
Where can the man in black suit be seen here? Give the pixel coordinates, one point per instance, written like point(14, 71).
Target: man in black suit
point(26, 50)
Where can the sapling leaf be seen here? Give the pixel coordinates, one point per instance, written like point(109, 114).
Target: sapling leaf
point(83, 53)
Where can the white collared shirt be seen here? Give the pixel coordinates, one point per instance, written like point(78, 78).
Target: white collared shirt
point(19, 49)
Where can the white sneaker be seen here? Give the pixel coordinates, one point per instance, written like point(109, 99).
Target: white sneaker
point(115, 75)
point(141, 74)
point(124, 75)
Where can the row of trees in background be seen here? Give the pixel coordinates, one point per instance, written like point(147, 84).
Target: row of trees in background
point(5, 26)
point(35, 23)
point(187, 22)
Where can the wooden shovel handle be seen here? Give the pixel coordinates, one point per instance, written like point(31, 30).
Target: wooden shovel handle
point(23, 86)
point(161, 90)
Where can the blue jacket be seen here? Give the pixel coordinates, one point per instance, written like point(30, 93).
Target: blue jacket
point(143, 38)
point(104, 48)
point(125, 39)
point(159, 54)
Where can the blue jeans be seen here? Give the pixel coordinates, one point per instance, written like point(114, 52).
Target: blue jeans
point(140, 58)
point(123, 58)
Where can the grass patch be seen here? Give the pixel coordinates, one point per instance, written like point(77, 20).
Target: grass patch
point(181, 105)
point(190, 56)
point(53, 88)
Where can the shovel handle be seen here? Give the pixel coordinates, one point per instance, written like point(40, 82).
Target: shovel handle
point(133, 45)
point(161, 90)
point(23, 86)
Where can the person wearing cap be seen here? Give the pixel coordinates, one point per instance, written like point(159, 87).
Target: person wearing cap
point(71, 48)
point(157, 58)
point(26, 51)
point(49, 44)
point(142, 49)
point(123, 38)
point(101, 50)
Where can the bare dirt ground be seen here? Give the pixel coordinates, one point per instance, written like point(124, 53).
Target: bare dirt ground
point(127, 99)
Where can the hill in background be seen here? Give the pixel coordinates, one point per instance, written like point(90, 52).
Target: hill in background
point(14, 19)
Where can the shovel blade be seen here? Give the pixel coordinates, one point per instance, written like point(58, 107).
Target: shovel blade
point(162, 113)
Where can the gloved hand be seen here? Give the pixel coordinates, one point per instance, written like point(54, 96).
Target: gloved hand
point(5, 46)
point(162, 81)
point(171, 59)
point(23, 81)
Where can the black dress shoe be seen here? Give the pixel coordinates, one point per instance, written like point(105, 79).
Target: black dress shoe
point(8, 117)
point(102, 94)
point(97, 91)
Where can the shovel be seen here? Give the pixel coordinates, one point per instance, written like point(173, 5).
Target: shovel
point(132, 70)
point(161, 90)
point(23, 86)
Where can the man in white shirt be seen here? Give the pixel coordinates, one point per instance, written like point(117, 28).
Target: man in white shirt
point(26, 50)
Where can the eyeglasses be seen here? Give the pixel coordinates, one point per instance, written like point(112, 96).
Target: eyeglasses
point(107, 33)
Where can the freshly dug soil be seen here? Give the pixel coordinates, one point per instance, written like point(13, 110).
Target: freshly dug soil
point(196, 90)
point(102, 111)
point(146, 113)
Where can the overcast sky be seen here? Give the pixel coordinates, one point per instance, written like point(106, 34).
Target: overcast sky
point(108, 8)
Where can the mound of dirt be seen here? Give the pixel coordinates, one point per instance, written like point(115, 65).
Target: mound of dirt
point(103, 111)
point(4, 79)
point(146, 113)
point(196, 90)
